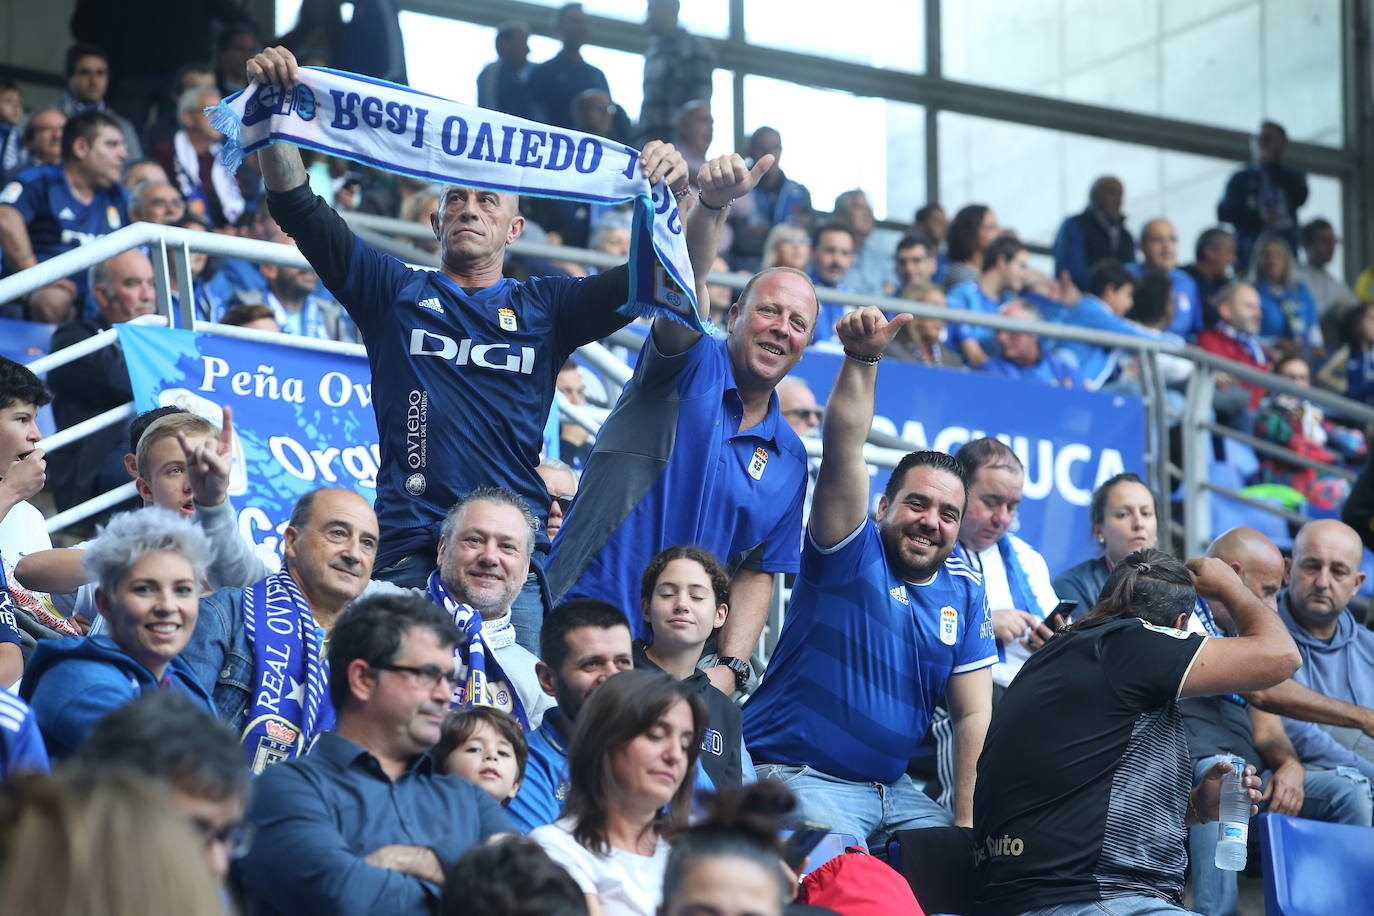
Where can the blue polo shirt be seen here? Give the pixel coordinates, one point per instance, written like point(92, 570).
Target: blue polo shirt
point(670, 467)
point(1051, 370)
point(970, 296)
point(863, 659)
point(1187, 302)
point(544, 787)
point(56, 219)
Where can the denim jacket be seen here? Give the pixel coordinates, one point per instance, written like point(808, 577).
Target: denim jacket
point(220, 657)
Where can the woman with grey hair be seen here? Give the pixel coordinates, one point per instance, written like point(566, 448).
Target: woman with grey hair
point(148, 566)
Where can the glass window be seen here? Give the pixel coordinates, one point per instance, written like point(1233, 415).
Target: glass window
point(700, 17)
point(881, 33)
point(985, 161)
point(1217, 62)
point(881, 146)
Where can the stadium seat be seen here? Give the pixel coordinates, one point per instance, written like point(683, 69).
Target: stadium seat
point(1229, 513)
point(1241, 457)
point(1312, 868)
point(1367, 567)
point(938, 864)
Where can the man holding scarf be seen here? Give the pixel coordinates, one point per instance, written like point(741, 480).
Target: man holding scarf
point(260, 650)
point(464, 361)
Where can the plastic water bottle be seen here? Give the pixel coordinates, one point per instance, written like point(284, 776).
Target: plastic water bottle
point(1233, 825)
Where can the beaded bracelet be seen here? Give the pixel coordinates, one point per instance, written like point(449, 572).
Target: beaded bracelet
point(862, 357)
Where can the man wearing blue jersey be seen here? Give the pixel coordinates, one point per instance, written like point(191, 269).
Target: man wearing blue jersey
point(49, 209)
point(883, 622)
point(463, 361)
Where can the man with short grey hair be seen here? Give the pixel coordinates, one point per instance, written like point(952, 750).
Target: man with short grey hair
point(484, 558)
point(193, 153)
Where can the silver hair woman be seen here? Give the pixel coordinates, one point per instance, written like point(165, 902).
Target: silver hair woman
point(148, 567)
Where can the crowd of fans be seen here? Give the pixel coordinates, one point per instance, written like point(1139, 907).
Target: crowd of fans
point(537, 690)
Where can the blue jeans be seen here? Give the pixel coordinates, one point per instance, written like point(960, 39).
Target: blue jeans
point(1339, 796)
point(530, 605)
point(1138, 905)
point(871, 811)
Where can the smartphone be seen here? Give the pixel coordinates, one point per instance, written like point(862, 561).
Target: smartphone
point(1061, 614)
point(799, 845)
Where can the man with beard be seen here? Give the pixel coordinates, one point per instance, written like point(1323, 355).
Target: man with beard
point(883, 622)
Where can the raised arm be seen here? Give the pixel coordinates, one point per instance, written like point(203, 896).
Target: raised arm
point(1261, 656)
point(840, 502)
point(721, 181)
point(281, 165)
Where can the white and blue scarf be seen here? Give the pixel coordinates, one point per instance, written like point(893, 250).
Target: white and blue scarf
point(397, 129)
point(485, 682)
point(290, 698)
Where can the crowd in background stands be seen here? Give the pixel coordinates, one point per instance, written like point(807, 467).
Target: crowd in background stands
point(413, 686)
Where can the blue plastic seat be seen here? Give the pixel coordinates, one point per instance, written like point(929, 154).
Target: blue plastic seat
point(1229, 513)
point(1313, 868)
point(1241, 457)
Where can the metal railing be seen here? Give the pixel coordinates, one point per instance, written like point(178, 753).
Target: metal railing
point(171, 249)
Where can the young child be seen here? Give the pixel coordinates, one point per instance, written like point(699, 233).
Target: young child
point(486, 747)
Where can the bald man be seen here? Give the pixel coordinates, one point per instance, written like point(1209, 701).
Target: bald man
point(1221, 726)
point(1159, 252)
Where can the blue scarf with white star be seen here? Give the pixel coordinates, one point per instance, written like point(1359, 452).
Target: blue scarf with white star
point(290, 702)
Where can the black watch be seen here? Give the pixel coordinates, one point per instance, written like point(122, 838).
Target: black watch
point(741, 667)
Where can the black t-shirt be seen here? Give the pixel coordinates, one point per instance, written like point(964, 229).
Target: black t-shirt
point(1083, 782)
point(1219, 725)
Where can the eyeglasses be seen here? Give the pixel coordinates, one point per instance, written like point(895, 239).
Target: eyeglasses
point(806, 413)
point(425, 675)
point(229, 835)
point(563, 501)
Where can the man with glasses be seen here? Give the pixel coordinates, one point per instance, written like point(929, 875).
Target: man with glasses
point(561, 480)
point(364, 823)
point(156, 202)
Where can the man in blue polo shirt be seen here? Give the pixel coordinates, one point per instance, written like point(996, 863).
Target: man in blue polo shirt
point(582, 642)
point(463, 360)
point(697, 452)
point(883, 622)
point(49, 209)
point(1159, 252)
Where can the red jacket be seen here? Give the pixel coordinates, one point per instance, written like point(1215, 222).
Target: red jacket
point(1223, 344)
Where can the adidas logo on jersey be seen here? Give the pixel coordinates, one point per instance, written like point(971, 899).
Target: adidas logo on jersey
point(432, 304)
point(66, 213)
point(899, 592)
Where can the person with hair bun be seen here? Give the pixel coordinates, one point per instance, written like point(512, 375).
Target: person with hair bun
point(731, 862)
point(631, 769)
point(1125, 518)
point(1085, 786)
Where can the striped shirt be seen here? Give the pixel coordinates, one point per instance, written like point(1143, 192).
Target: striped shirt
point(863, 659)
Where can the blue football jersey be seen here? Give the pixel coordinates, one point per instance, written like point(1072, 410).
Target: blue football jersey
point(863, 659)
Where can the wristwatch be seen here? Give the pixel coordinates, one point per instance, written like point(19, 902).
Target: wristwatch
point(743, 671)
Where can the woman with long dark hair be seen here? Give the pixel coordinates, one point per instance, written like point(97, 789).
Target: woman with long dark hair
point(630, 771)
point(1085, 786)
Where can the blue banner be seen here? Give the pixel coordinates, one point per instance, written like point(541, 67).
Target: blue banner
point(302, 418)
point(1069, 441)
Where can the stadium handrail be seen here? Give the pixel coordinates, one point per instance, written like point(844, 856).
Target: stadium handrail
point(171, 248)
